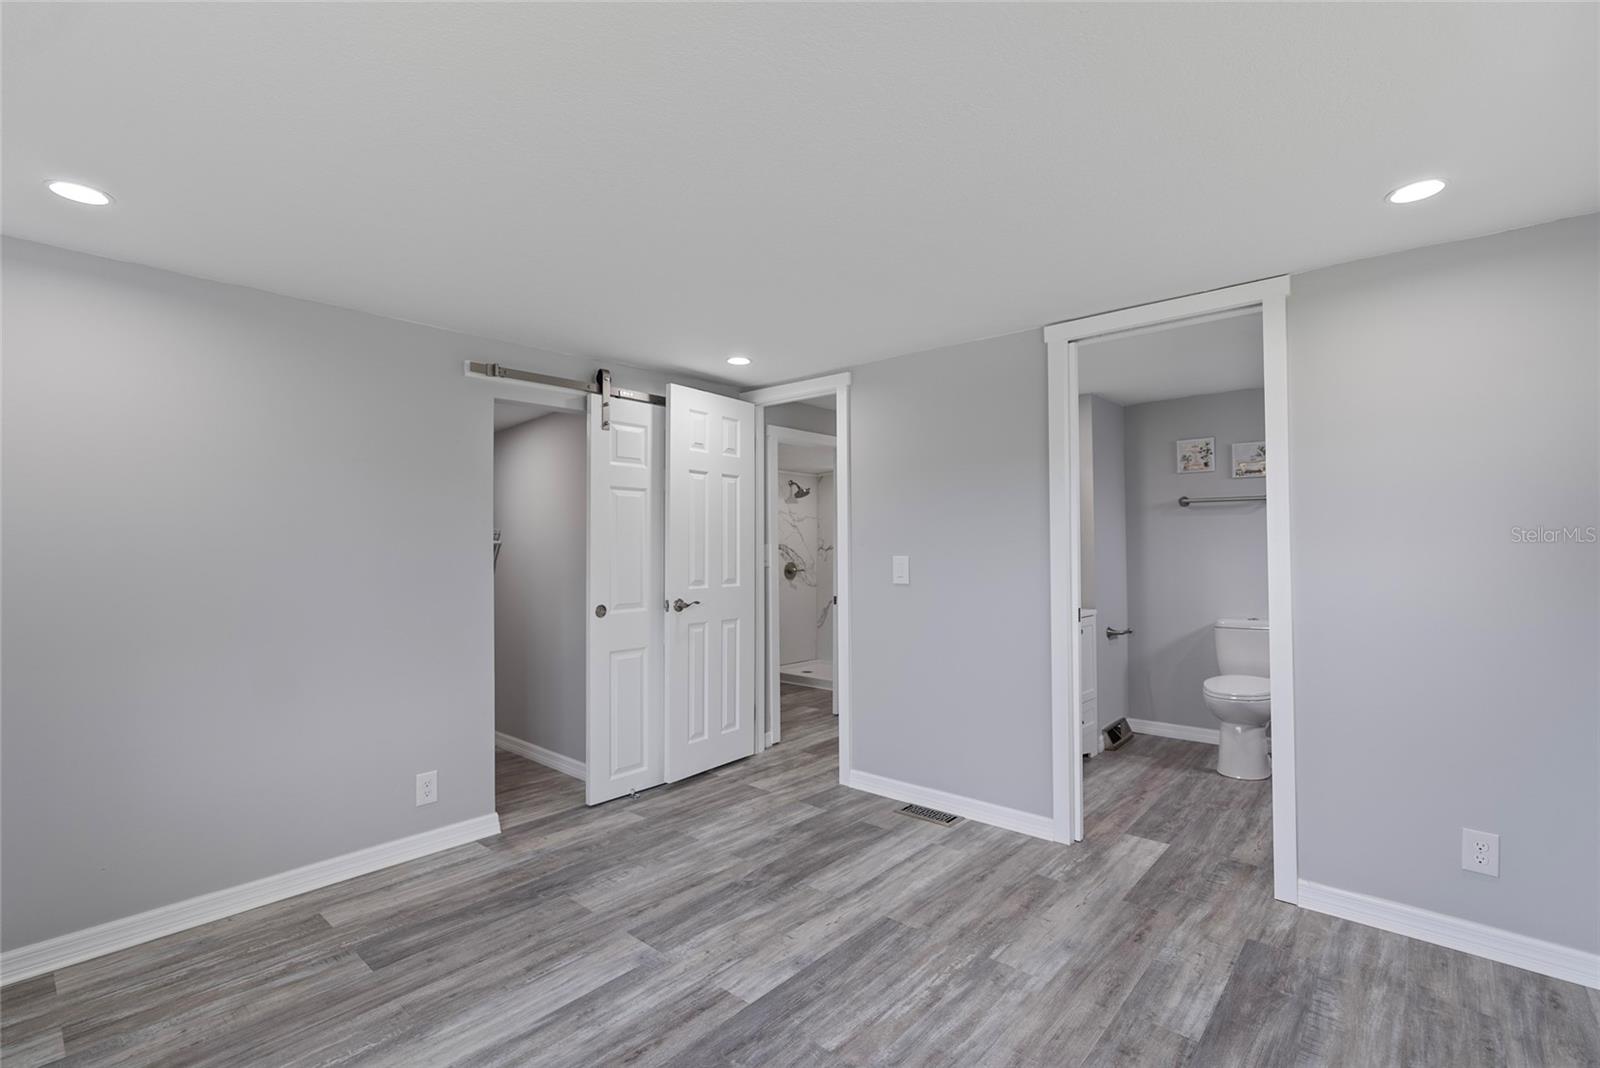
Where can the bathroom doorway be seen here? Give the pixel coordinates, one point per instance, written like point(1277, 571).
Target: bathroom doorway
point(1104, 670)
point(813, 412)
point(802, 510)
point(1173, 574)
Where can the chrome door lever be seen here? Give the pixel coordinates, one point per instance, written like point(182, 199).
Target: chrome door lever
point(1113, 634)
point(680, 604)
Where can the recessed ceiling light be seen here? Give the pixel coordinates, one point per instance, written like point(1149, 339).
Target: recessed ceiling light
point(739, 361)
point(1410, 194)
point(78, 193)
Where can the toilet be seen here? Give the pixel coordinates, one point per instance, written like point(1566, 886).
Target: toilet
point(1241, 698)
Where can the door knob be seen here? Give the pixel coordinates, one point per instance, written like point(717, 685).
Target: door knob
point(1112, 634)
point(680, 604)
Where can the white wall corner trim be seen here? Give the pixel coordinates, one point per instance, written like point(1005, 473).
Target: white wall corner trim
point(55, 953)
point(540, 755)
point(1208, 735)
point(1436, 928)
point(1011, 819)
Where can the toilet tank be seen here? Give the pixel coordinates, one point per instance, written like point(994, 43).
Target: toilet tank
point(1242, 646)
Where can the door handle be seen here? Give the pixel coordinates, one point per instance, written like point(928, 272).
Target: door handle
point(1113, 634)
point(680, 604)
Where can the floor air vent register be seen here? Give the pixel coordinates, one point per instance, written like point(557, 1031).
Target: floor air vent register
point(932, 815)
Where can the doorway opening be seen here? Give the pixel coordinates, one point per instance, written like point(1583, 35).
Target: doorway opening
point(804, 426)
point(658, 657)
point(578, 546)
point(540, 531)
point(1134, 350)
point(802, 506)
point(1173, 573)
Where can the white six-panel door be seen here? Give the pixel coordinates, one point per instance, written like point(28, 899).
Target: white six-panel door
point(711, 577)
point(625, 640)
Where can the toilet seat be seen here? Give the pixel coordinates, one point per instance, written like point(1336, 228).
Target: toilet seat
point(1237, 687)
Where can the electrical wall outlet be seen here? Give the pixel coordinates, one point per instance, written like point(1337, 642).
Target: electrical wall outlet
point(1480, 852)
point(427, 787)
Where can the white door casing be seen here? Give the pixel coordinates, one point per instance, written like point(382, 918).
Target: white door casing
point(711, 568)
point(1066, 595)
point(626, 670)
point(836, 386)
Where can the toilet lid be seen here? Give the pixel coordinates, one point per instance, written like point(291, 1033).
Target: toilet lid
point(1239, 687)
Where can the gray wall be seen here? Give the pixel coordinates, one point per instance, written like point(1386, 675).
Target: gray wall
point(1445, 672)
point(247, 586)
point(1187, 567)
point(952, 672)
point(245, 546)
point(1110, 562)
point(541, 508)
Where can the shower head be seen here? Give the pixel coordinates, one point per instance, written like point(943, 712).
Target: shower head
point(796, 491)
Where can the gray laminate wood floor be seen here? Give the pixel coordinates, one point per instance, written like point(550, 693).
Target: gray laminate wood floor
point(763, 915)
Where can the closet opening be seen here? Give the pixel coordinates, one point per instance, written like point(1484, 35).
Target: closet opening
point(625, 581)
point(540, 532)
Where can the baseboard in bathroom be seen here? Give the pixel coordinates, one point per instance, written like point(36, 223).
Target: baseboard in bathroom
point(1210, 736)
point(807, 682)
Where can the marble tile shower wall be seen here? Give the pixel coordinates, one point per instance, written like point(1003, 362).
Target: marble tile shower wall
point(825, 565)
point(805, 555)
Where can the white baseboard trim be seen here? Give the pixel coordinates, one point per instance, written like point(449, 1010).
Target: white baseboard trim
point(1451, 932)
point(810, 684)
point(1211, 735)
point(540, 755)
point(52, 954)
point(983, 811)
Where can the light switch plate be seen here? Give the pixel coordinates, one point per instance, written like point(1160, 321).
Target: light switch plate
point(902, 570)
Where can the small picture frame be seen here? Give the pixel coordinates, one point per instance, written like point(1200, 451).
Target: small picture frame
point(1249, 459)
point(1197, 455)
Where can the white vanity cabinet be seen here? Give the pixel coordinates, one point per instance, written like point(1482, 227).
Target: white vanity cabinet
point(1088, 702)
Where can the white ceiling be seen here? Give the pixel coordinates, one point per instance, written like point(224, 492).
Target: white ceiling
point(1213, 356)
point(816, 185)
point(805, 459)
